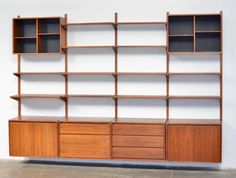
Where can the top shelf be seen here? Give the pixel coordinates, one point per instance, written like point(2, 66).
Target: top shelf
point(112, 23)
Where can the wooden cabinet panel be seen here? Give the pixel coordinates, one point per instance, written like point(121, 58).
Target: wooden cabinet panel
point(21, 139)
point(33, 139)
point(194, 143)
point(207, 144)
point(180, 143)
point(138, 153)
point(85, 146)
point(81, 128)
point(45, 140)
point(138, 141)
point(138, 129)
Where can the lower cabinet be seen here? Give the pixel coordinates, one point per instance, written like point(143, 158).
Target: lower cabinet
point(78, 140)
point(138, 141)
point(33, 139)
point(194, 143)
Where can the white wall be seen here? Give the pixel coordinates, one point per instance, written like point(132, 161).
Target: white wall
point(103, 10)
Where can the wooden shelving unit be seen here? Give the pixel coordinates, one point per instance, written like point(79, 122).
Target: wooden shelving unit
point(116, 137)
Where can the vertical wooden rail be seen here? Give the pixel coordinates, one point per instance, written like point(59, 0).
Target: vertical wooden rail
point(221, 77)
point(221, 67)
point(116, 66)
point(167, 80)
point(194, 33)
point(19, 85)
point(66, 73)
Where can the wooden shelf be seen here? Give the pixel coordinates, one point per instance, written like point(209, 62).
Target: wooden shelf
point(88, 73)
point(97, 46)
point(44, 119)
point(194, 122)
point(89, 96)
point(207, 52)
point(141, 23)
point(194, 73)
point(140, 97)
point(184, 35)
point(25, 37)
point(48, 34)
point(37, 73)
point(140, 73)
point(194, 97)
point(37, 96)
point(87, 24)
point(141, 46)
point(208, 31)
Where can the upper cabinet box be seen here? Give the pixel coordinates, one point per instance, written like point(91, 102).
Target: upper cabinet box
point(194, 33)
point(38, 35)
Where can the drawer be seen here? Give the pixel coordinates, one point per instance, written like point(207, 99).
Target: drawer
point(138, 129)
point(85, 146)
point(138, 141)
point(82, 128)
point(138, 153)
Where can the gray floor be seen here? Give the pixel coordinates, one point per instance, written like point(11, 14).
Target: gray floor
point(17, 169)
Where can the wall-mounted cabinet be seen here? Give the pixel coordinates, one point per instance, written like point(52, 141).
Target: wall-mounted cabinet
point(38, 35)
point(194, 33)
point(193, 143)
point(33, 139)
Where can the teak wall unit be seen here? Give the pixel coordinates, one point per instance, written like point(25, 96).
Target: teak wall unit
point(158, 139)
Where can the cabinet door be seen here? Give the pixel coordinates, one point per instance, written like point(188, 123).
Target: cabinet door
point(207, 143)
point(200, 143)
point(45, 140)
point(21, 139)
point(180, 143)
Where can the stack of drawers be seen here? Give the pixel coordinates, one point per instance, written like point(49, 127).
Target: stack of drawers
point(138, 141)
point(85, 140)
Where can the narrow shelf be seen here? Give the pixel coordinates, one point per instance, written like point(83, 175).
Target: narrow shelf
point(37, 73)
point(195, 73)
point(36, 119)
point(25, 37)
point(141, 23)
point(88, 73)
point(141, 120)
point(89, 96)
point(207, 52)
point(141, 46)
point(97, 46)
point(216, 31)
point(184, 35)
point(119, 46)
point(140, 97)
point(140, 73)
point(194, 122)
point(87, 24)
point(48, 34)
point(36, 96)
point(194, 97)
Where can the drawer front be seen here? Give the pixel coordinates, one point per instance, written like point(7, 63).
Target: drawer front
point(138, 153)
point(81, 128)
point(138, 129)
point(85, 146)
point(138, 141)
